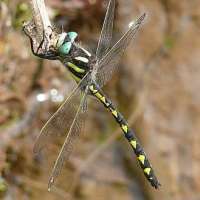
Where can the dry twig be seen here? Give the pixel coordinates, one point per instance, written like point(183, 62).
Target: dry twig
point(42, 35)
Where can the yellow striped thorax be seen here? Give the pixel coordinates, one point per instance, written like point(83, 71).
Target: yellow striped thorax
point(76, 78)
point(75, 68)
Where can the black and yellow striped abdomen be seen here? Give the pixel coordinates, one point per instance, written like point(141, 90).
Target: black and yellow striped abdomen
point(129, 134)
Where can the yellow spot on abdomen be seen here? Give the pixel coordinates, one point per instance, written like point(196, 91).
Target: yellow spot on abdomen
point(125, 128)
point(114, 112)
point(141, 158)
point(103, 99)
point(92, 89)
point(133, 143)
point(147, 170)
point(98, 95)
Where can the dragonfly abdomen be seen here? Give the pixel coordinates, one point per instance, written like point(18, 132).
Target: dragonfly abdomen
point(129, 134)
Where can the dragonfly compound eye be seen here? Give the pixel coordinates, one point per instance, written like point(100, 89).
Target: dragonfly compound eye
point(65, 48)
point(72, 36)
point(65, 41)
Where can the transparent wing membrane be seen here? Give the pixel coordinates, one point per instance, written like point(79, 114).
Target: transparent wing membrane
point(74, 131)
point(108, 64)
point(59, 124)
point(106, 32)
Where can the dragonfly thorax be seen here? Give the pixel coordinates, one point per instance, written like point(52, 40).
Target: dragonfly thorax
point(77, 59)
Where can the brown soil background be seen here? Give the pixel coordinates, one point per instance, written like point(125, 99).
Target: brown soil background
point(157, 88)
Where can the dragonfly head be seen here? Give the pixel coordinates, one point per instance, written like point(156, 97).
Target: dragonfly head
point(64, 42)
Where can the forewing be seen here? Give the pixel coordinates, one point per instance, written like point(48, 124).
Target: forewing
point(74, 131)
point(108, 64)
point(59, 124)
point(106, 32)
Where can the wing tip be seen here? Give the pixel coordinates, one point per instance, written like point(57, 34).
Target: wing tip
point(50, 184)
point(141, 18)
point(136, 23)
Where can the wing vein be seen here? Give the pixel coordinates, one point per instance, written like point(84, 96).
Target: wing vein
point(66, 149)
point(108, 64)
point(106, 31)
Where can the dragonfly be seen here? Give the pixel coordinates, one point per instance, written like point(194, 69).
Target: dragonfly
point(91, 72)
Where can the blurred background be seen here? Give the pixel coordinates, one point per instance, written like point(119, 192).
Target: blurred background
point(157, 90)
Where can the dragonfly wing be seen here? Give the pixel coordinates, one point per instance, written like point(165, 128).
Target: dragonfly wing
point(106, 32)
point(74, 131)
point(59, 124)
point(108, 64)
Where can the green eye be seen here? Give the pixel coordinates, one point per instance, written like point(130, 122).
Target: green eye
point(72, 36)
point(65, 48)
